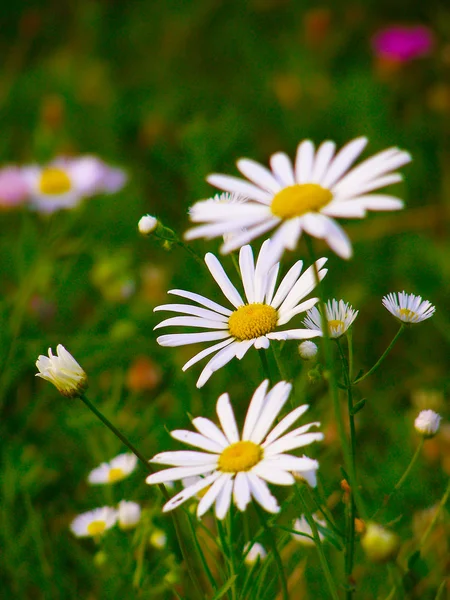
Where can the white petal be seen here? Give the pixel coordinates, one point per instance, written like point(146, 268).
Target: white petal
point(306, 283)
point(177, 473)
point(224, 499)
point(210, 430)
point(343, 160)
point(338, 240)
point(242, 348)
point(369, 185)
point(230, 225)
point(314, 224)
point(380, 202)
point(185, 458)
point(288, 462)
point(206, 352)
point(259, 175)
point(261, 343)
point(197, 440)
point(287, 283)
point(285, 317)
point(196, 311)
point(247, 267)
point(347, 209)
point(192, 322)
point(223, 357)
point(275, 401)
point(210, 497)
point(285, 423)
point(202, 300)
point(222, 280)
point(183, 339)
point(263, 266)
point(234, 184)
point(254, 409)
point(294, 334)
point(241, 491)
point(271, 283)
point(324, 155)
point(273, 474)
point(304, 161)
point(261, 493)
point(290, 443)
point(190, 491)
point(226, 418)
point(241, 239)
point(282, 168)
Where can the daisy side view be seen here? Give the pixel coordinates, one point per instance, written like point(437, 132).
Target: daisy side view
point(254, 322)
point(236, 466)
point(306, 196)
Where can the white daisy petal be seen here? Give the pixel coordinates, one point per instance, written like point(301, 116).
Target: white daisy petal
point(274, 403)
point(304, 161)
point(183, 339)
point(192, 310)
point(241, 491)
point(210, 430)
point(202, 300)
point(206, 352)
point(343, 160)
point(192, 322)
point(324, 155)
point(177, 473)
point(226, 418)
point(247, 267)
point(254, 409)
point(190, 491)
point(261, 494)
point(224, 499)
point(222, 280)
point(287, 283)
point(290, 443)
point(294, 334)
point(338, 240)
point(285, 423)
point(233, 184)
point(248, 236)
point(197, 440)
point(184, 458)
point(258, 174)
point(282, 168)
point(273, 475)
point(211, 495)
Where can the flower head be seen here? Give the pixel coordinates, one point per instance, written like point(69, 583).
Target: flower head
point(253, 553)
point(304, 533)
point(63, 371)
point(380, 544)
point(307, 350)
point(63, 183)
point(254, 322)
point(13, 187)
point(402, 44)
point(158, 539)
point(427, 423)
point(95, 522)
point(129, 514)
point(408, 308)
point(340, 316)
point(147, 224)
point(239, 466)
point(117, 469)
point(305, 197)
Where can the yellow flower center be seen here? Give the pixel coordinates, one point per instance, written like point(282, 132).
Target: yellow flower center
point(96, 527)
point(408, 314)
point(252, 320)
point(54, 181)
point(299, 199)
point(241, 456)
point(116, 474)
point(336, 326)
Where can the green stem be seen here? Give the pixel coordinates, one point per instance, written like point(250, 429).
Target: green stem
point(382, 357)
point(232, 555)
point(403, 478)
point(350, 543)
point(187, 556)
point(273, 544)
point(442, 503)
point(265, 364)
point(318, 543)
point(334, 391)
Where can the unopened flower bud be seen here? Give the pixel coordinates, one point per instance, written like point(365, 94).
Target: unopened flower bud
point(427, 423)
point(63, 371)
point(307, 350)
point(257, 551)
point(380, 544)
point(147, 224)
point(158, 539)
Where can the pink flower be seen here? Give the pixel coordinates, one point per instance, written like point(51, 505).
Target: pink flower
point(403, 43)
point(13, 187)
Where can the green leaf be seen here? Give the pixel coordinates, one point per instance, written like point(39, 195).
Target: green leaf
point(224, 589)
point(358, 406)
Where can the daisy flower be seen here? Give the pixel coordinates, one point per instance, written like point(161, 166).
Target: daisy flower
point(128, 514)
point(302, 526)
point(427, 423)
point(408, 308)
point(236, 466)
point(308, 196)
point(117, 469)
point(94, 522)
point(340, 316)
point(63, 371)
point(65, 182)
point(253, 322)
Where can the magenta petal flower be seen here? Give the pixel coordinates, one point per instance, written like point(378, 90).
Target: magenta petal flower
point(403, 43)
point(13, 187)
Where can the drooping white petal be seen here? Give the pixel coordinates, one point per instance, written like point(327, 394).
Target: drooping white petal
point(211, 495)
point(206, 352)
point(178, 473)
point(241, 491)
point(273, 474)
point(261, 493)
point(190, 491)
point(224, 499)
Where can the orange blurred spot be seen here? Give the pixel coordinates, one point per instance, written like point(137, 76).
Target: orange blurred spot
point(317, 24)
point(143, 375)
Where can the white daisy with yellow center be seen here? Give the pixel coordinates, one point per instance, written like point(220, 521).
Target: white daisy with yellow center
point(304, 533)
point(408, 308)
point(252, 322)
point(94, 523)
point(340, 316)
point(304, 197)
point(115, 470)
point(63, 183)
point(235, 466)
point(62, 371)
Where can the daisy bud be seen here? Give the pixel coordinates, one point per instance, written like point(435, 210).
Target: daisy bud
point(427, 423)
point(380, 544)
point(129, 514)
point(257, 551)
point(147, 224)
point(307, 350)
point(63, 371)
point(158, 539)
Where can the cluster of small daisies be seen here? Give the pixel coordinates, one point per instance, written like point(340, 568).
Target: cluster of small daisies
point(127, 514)
point(61, 184)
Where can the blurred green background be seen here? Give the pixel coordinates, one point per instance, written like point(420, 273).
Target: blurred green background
point(172, 91)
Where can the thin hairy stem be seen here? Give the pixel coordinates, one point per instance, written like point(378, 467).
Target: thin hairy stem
point(382, 357)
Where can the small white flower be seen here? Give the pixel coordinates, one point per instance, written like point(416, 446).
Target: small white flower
point(340, 316)
point(307, 350)
point(116, 469)
point(63, 371)
point(256, 552)
point(94, 522)
point(408, 308)
point(427, 423)
point(129, 514)
point(235, 466)
point(158, 539)
point(251, 322)
point(306, 197)
point(63, 183)
point(147, 224)
point(301, 525)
